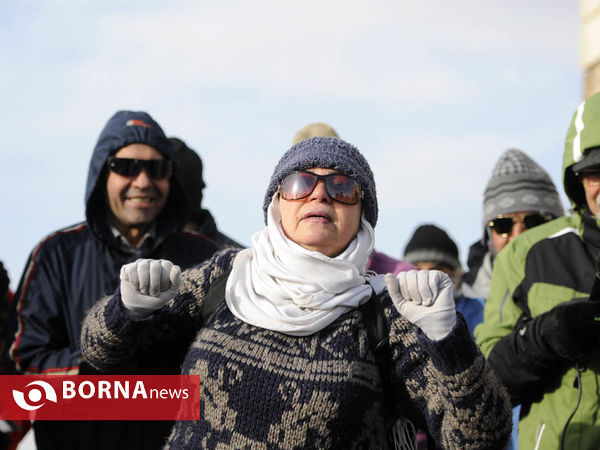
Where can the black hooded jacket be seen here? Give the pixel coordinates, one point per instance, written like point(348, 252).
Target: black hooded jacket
point(72, 268)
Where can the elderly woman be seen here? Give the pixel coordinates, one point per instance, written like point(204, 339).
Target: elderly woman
point(285, 359)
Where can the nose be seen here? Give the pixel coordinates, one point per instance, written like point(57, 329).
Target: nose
point(142, 181)
point(319, 193)
point(517, 229)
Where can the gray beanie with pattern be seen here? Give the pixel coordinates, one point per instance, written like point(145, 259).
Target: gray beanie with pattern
point(519, 184)
point(330, 153)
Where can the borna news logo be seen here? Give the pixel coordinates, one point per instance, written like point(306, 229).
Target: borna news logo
point(100, 397)
point(35, 396)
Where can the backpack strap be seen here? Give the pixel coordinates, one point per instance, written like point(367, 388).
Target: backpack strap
point(214, 296)
point(403, 434)
point(379, 343)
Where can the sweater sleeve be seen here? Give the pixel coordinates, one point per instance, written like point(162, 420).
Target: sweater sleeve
point(111, 340)
point(448, 387)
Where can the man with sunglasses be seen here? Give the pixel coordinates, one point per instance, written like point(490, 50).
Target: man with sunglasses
point(135, 208)
point(541, 330)
point(518, 196)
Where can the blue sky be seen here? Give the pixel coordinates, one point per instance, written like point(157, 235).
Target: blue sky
point(431, 92)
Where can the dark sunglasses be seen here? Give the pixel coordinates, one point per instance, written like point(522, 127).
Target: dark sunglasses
point(157, 169)
point(504, 225)
point(338, 186)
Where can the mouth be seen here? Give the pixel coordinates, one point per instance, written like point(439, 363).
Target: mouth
point(316, 216)
point(140, 201)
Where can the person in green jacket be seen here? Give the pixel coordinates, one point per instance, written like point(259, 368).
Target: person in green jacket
point(540, 330)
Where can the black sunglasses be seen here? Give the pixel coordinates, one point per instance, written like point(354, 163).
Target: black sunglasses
point(157, 169)
point(339, 187)
point(504, 225)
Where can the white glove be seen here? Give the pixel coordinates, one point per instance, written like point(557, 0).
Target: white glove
point(425, 298)
point(147, 285)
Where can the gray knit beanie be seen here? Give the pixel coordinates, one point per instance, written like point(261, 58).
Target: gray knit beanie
point(329, 153)
point(519, 184)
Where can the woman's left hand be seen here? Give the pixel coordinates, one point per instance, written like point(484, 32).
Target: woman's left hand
point(425, 298)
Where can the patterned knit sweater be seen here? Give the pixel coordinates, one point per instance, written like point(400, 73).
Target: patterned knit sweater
point(263, 389)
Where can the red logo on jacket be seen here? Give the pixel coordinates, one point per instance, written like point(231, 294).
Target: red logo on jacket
point(137, 122)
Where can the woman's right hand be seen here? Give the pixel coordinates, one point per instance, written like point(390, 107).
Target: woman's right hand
point(148, 284)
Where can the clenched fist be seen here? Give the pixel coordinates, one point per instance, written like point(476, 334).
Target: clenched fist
point(148, 284)
point(425, 298)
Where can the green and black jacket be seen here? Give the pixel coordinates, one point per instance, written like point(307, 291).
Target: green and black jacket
point(536, 271)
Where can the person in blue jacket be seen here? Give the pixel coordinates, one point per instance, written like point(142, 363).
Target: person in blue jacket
point(430, 248)
point(135, 208)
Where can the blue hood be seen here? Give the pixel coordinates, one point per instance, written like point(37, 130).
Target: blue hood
point(124, 128)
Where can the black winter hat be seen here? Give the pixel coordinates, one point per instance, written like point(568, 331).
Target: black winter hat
point(4, 280)
point(430, 243)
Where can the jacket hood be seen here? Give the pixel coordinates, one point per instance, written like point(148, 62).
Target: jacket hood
point(125, 128)
point(582, 136)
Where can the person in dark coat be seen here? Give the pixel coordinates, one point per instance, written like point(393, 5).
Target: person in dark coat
point(190, 177)
point(135, 208)
point(11, 431)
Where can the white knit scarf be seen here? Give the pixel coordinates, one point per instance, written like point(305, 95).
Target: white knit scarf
point(278, 285)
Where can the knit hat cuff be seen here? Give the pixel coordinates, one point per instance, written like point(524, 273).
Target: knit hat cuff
point(540, 201)
point(431, 255)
